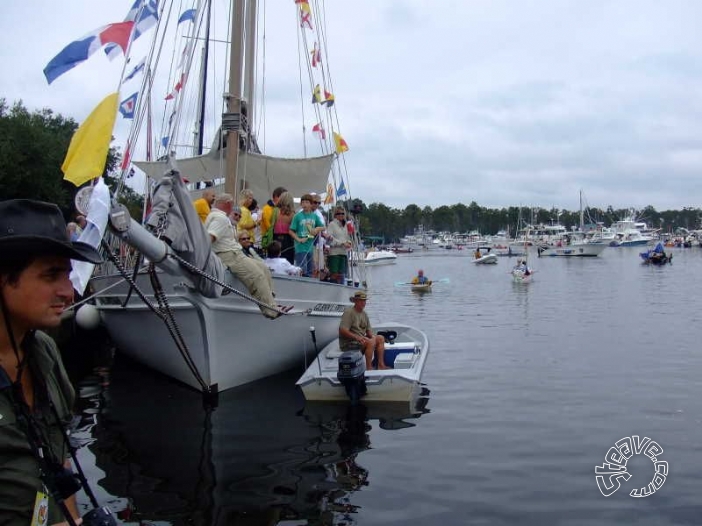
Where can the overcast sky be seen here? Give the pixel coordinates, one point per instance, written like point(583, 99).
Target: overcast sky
point(498, 102)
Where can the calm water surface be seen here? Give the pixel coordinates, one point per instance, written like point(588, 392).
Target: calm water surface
point(527, 388)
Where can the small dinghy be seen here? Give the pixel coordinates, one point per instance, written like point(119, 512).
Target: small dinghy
point(421, 287)
point(336, 376)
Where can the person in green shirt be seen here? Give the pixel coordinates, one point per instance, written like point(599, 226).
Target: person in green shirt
point(304, 227)
point(36, 396)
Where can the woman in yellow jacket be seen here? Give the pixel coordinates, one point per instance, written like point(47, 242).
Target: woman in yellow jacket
point(246, 223)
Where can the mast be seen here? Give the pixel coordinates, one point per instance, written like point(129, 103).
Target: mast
point(249, 79)
point(232, 121)
point(582, 216)
point(199, 135)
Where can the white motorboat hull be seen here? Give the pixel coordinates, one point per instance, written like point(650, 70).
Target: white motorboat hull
point(487, 259)
point(319, 382)
point(230, 341)
point(376, 257)
point(578, 250)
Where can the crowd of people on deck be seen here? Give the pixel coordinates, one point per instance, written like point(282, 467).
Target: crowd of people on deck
point(276, 239)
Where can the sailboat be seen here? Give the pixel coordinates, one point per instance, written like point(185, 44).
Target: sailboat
point(178, 310)
point(573, 244)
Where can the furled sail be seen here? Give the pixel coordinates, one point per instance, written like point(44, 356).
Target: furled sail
point(260, 173)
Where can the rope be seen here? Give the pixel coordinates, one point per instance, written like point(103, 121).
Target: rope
point(195, 270)
point(163, 311)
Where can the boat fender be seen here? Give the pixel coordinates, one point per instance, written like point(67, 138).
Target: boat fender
point(88, 317)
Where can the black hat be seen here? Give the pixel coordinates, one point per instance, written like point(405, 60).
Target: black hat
point(27, 225)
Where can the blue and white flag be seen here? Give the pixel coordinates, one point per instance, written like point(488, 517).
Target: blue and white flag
point(139, 67)
point(187, 15)
point(144, 14)
point(128, 105)
point(341, 190)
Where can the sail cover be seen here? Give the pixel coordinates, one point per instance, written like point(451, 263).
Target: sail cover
point(259, 173)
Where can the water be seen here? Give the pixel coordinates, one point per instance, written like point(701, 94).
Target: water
point(529, 385)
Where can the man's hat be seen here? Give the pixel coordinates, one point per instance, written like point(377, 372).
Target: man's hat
point(27, 225)
point(360, 295)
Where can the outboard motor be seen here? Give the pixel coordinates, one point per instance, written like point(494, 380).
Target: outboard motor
point(351, 373)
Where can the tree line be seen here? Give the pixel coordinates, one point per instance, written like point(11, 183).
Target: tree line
point(390, 224)
point(33, 145)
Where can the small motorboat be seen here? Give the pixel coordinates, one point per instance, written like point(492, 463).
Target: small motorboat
point(335, 375)
point(374, 257)
point(656, 256)
point(487, 259)
point(421, 287)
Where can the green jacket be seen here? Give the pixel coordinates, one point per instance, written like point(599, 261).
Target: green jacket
point(19, 469)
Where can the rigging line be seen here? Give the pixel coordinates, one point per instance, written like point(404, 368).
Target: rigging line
point(325, 144)
point(180, 97)
point(262, 110)
point(301, 48)
point(136, 123)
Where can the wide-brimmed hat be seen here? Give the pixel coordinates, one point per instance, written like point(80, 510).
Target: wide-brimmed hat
point(360, 295)
point(36, 226)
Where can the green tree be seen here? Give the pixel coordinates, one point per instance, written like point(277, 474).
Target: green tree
point(32, 149)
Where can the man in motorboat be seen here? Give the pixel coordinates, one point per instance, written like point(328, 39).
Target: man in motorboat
point(420, 278)
point(477, 253)
point(253, 273)
point(355, 330)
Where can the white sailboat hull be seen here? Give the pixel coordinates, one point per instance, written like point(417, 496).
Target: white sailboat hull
point(230, 341)
point(576, 250)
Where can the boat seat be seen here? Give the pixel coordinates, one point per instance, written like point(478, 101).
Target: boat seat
point(395, 348)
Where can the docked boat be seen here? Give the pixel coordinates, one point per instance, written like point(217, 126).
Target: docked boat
point(182, 312)
point(336, 376)
point(572, 246)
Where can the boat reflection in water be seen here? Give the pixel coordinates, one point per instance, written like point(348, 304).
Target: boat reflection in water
point(261, 457)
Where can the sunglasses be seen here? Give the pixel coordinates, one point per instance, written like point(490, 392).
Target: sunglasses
point(339, 214)
point(244, 239)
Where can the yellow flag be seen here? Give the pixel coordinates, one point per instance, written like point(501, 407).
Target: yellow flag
point(341, 145)
point(87, 153)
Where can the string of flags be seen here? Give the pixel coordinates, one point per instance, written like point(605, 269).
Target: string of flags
point(329, 100)
point(87, 152)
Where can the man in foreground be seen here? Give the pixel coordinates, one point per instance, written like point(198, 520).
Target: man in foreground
point(36, 396)
point(355, 329)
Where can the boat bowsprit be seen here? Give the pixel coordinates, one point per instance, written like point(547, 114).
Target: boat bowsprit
point(337, 375)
